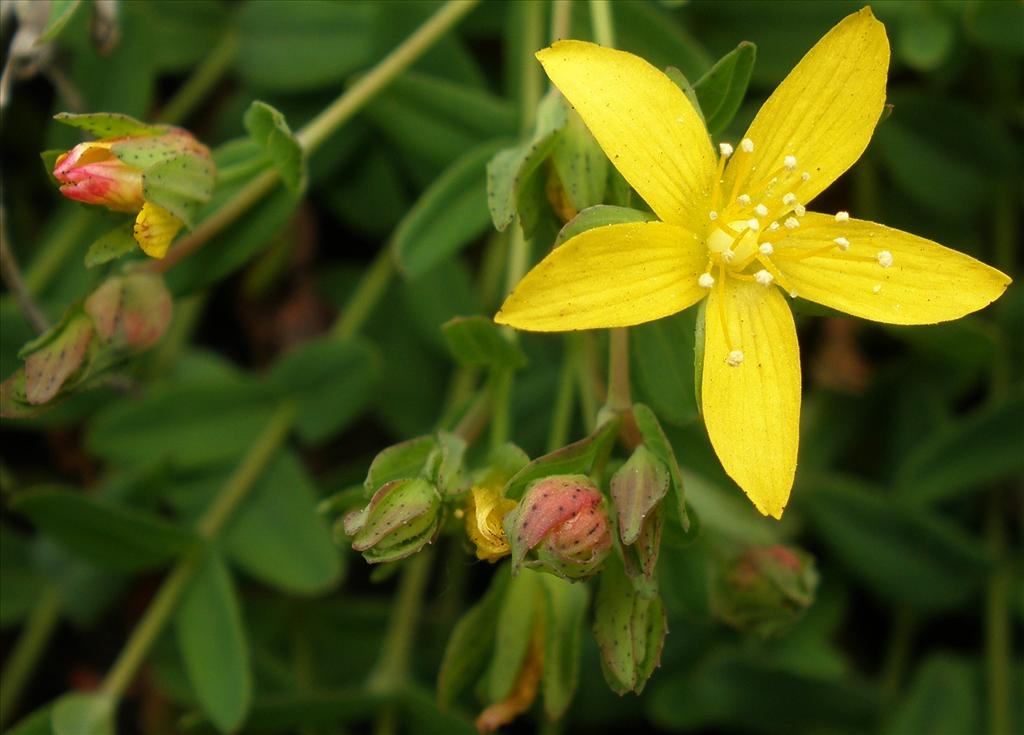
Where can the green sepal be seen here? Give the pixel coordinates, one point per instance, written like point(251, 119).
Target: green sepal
point(269, 130)
point(600, 215)
point(109, 124)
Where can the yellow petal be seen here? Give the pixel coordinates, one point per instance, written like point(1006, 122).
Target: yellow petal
point(751, 389)
point(925, 283)
point(613, 276)
point(645, 124)
point(154, 230)
point(823, 114)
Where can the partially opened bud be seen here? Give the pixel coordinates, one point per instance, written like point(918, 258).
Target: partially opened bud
point(132, 310)
point(90, 173)
point(56, 357)
point(484, 513)
point(560, 526)
point(403, 516)
point(767, 589)
point(637, 491)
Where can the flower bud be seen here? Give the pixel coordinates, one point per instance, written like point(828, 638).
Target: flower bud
point(484, 513)
point(132, 310)
point(767, 589)
point(403, 516)
point(90, 173)
point(637, 491)
point(561, 523)
point(56, 357)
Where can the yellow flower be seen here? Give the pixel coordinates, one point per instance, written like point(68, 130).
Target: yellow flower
point(484, 514)
point(733, 227)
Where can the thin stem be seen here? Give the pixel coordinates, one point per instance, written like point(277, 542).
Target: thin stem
point(619, 399)
point(30, 647)
point(209, 525)
point(324, 124)
point(898, 654)
point(561, 19)
point(532, 80)
point(11, 272)
point(371, 288)
point(998, 636)
point(475, 418)
point(203, 79)
point(601, 22)
point(561, 418)
point(586, 374)
point(44, 266)
point(501, 420)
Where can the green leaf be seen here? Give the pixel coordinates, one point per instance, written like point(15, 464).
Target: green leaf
point(996, 25)
point(113, 536)
point(83, 714)
point(212, 641)
point(563, 627)
point(885, 543)
point(722, 89)
point(967, 456)
point(925, 38)
point(111, 245)
point(580, 164)
point(600, 215)
point(655, 440)
point(269, 130)
point(288, 47)
point(478, 341)
point(514, 633)
point(109, 124)
point(49, 159)
point(180, 185)
point(465, 106)
point(399, 462)
point(331, 380)
point(278, 536)
point(575, 458)
point(680, 80)
point(20, 583)
point(471, 642)
point(291, 712)
point(449, 215)
point(662, 358)
point(36, 723)
point(61, 11)
point(942, 700)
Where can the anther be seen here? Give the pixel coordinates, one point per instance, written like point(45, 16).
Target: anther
point(764, 277)
point(884, 258)
point(712, 215)
point(747, 145)
point(706, 280)
point(789, 200)
point(743, 199)
point(761, 210)
point(735, 358)
point(877, 288)
point(773, 227)
point(753, 224)
point(766, 248)
point(842, 216)
point(725, 149)
point(792, 223)
point(805, 176)
point(800, 210)
point(843, 243)
point(793, 294)
point(728, 255)
point(789, 162)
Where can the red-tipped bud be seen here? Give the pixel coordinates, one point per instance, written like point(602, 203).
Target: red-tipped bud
point(133, 310)
point(560, 526)
point(90, 173)
point(767, 589)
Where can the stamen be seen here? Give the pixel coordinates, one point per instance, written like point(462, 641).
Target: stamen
point(805, 176)
point(789, 200)
point(789, 162)
point(792, 223)
point(725, 149)
point(793, 294)
point(842, 216)
point(766, 248)
point(761, 210)
point(843, 243)
point(877, 288)
point(753, 224)
point(884, 258)
point(773, 227)
point(747, 145)
point(764, 277)
point(712, 215)
point(743, 199)
point(728, 255)
point(706, 280)
point(800, 210)
point(735, 358)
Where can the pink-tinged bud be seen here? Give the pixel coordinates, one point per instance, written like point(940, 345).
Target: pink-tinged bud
point(403, 516)
point(133, 310)
point(560, 526)
point(60, 355)
point(90, 173)
point(767, 589)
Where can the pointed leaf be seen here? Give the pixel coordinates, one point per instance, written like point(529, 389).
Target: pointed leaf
point(111, 245)
point(109, 124)
point(83, 714)
point(566, 609)
point(269, 130)
point(576, 458)
point(721, 90)
point(478, 341)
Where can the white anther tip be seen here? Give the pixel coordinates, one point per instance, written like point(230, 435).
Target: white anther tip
point(753, 224)
point(789, 200)
point(842, 216)
point(735, 358)
point(766, 248)
point(728, 255)
point(747, 145)
point(800, 210)
point(725, 149)
point(789, 162)
point(761, 210)
point(773, 226)
point(843, 243)
point(805, 176)
point(764, 277)
point(706, 280)
point(877, 288)
point(884, 258)
point(743, 199)
point(792, 223)
point(712, 215)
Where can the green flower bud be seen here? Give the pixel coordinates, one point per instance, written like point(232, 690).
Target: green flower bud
point(133, 310)
point(637, 491)
point(403, 516)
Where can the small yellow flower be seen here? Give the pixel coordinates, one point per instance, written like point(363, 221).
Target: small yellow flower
point(484, 514)
point(734, 226)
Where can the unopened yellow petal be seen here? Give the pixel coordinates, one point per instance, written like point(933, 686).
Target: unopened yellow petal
point(612, 276)
point(643, 121)
point(154, 230)
point(884, 274)
point(822, 115)
point(751, 389)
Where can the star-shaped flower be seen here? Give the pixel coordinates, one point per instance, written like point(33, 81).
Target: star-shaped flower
point(734, 229)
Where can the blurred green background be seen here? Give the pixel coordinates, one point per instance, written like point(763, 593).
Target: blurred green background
point(909, 492)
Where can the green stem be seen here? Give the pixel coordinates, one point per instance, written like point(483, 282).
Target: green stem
point(203, 79)
point(324, 124)
point(586, 372)
point(601, 22)
point(561, 419)
point(11, 273)
point(897, 656)
point(561, 19)
point(31, 644)
point(619, 398)
point(209, 525)
point(69, 230)
point(501, 420)
point(371, 288)
point(998, 637)
point(532, 80)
